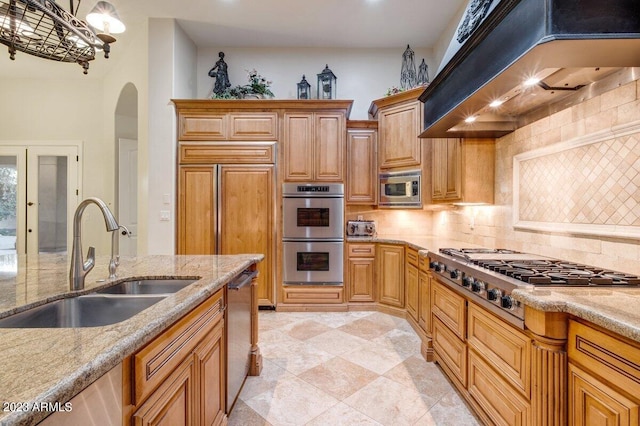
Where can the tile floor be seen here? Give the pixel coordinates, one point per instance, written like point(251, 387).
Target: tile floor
point(345, 368)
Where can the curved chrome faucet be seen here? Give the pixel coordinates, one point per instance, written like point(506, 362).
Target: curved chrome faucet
point(115, 258)
point(79, 267)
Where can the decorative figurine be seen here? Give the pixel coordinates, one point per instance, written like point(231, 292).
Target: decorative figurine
point(327, 84)
point(408, 77)
point(423, 73)
point(219, 72)
point(304, 89)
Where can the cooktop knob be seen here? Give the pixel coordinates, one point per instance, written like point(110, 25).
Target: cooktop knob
point(506, 302)
point(439, 267)
point(432, 264)
point(477, 286)
point(454, 274)
point(494, 294)
point(468, 281)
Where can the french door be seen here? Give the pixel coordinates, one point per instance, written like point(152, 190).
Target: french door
point(39, 191)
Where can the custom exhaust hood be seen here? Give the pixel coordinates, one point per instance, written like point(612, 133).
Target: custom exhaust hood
point(529, 59)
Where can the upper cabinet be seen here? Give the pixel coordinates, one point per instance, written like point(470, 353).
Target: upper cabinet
point(314, 145)
point(399, 124)
point(244, 126)
point(361, 162)
point(462, 170)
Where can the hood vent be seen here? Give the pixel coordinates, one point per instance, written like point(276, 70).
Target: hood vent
point(568, 50)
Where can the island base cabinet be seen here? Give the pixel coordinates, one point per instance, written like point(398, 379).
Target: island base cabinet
point(595, 403)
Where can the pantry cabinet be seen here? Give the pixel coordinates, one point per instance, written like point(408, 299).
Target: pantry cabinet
point(390, 274)
point(399, 124)
point(462, 170)
point(361, 184)
point(314, 146)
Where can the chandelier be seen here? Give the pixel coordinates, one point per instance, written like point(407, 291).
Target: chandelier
point(44, 29)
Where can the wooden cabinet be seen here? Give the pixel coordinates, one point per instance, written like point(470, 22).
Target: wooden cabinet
point(179, 377)
point(411, 283)
point(399, 124)
point(314, 146)
point(424, 295)
point(604, 377)
point(390, 274)
point(450, 308)
point(462, 170)
point(198, 125)
point(360, 277)
point(361, 184)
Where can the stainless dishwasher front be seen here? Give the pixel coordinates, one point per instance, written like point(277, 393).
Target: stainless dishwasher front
point(238, 334)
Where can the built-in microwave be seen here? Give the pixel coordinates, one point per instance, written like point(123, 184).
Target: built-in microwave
point(400, 189)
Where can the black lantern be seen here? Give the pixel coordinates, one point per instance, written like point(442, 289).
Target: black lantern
point(327, 82)
point(304, 89)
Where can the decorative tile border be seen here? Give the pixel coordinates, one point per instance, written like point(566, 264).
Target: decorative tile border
point(588, 185)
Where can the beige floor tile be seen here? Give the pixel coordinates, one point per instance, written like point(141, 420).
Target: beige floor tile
point(296, 357)
point(367, 329)
point(424, 377)
point(405, 343)
point(270, 376)
point(336, 342)
point(390, 403)
point(291, 402)
point(335, 320)
point(338, 377)
point(376, 357)
point(243, 415)
point(449, 411)
point(305, 329)
point(342, 415)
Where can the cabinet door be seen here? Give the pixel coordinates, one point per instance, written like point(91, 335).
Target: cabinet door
point(398, 130)
point(360, 279)
point(298, 147)
point(592, 402)
point(449, 307)
point(390, 277)
point(173, 403)
point(196, 210)
point(361, 167)
point(210, 368)
point(329, 147)
point(411, 282)
point(247, 200)
point(446, 169)
point(424, 301)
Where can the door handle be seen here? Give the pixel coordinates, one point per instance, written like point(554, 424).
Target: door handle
point(29, 203)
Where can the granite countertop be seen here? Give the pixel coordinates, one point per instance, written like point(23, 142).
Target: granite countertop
point(53, 365)
point(614, 309)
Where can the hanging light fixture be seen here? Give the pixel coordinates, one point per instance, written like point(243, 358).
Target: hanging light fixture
point(42, 28)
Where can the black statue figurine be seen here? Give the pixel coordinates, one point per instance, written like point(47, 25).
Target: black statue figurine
point(219, 72)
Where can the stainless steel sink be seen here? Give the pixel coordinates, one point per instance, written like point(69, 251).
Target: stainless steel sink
point(162, 286)
point(91, 310)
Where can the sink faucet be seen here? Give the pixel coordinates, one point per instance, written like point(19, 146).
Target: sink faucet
point(79, 267)
point(115, 259)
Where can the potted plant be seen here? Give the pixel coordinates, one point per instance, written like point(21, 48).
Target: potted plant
point(257, 88)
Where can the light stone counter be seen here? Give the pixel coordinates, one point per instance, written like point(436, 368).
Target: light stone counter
point(615, 309)
point(53, 365)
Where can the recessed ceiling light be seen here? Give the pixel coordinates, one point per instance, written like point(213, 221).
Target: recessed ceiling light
point(496, 103)
point(470, 119)
point(531, 81)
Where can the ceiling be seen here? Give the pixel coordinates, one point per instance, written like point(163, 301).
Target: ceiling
point(276, 23)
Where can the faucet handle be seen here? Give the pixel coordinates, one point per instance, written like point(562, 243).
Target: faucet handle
point(91, 259)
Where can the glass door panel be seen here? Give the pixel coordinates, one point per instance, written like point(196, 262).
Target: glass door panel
point(8, 203)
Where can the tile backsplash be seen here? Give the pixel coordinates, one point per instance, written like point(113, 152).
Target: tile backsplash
point(593, 183)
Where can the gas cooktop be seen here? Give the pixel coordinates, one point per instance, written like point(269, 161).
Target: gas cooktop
point(540, 270)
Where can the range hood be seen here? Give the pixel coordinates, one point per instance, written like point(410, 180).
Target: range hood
point(574, 48)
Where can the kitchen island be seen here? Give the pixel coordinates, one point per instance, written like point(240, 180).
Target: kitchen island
point(54, 365)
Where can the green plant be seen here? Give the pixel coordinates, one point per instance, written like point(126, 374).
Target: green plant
point(257, 85)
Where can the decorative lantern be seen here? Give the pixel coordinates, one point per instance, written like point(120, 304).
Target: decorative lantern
point(327, 82)
point(304, 89)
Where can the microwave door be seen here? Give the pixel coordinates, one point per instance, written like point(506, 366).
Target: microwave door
point(397, 190)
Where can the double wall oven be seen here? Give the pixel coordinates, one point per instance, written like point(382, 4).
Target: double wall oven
point(313, 236)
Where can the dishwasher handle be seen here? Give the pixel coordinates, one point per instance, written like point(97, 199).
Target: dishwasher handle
point(242, 280)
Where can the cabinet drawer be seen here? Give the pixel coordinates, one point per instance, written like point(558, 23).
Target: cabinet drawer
point(224, 153)
point(450, 350)
point(505, 348)
point(611, 357)
point(153, 363)
point(309, 294)
point(248, 127)
point(361, 250)
point(449, 307)
point(412, 256)
point(498, 400)
point(424, 263)
point(202, 126)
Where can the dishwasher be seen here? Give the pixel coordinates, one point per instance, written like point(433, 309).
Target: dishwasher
point(238, 334)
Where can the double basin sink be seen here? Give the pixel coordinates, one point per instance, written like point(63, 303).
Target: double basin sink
point(106, 306)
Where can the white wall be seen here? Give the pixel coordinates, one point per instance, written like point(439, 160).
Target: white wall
point(362, 74)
